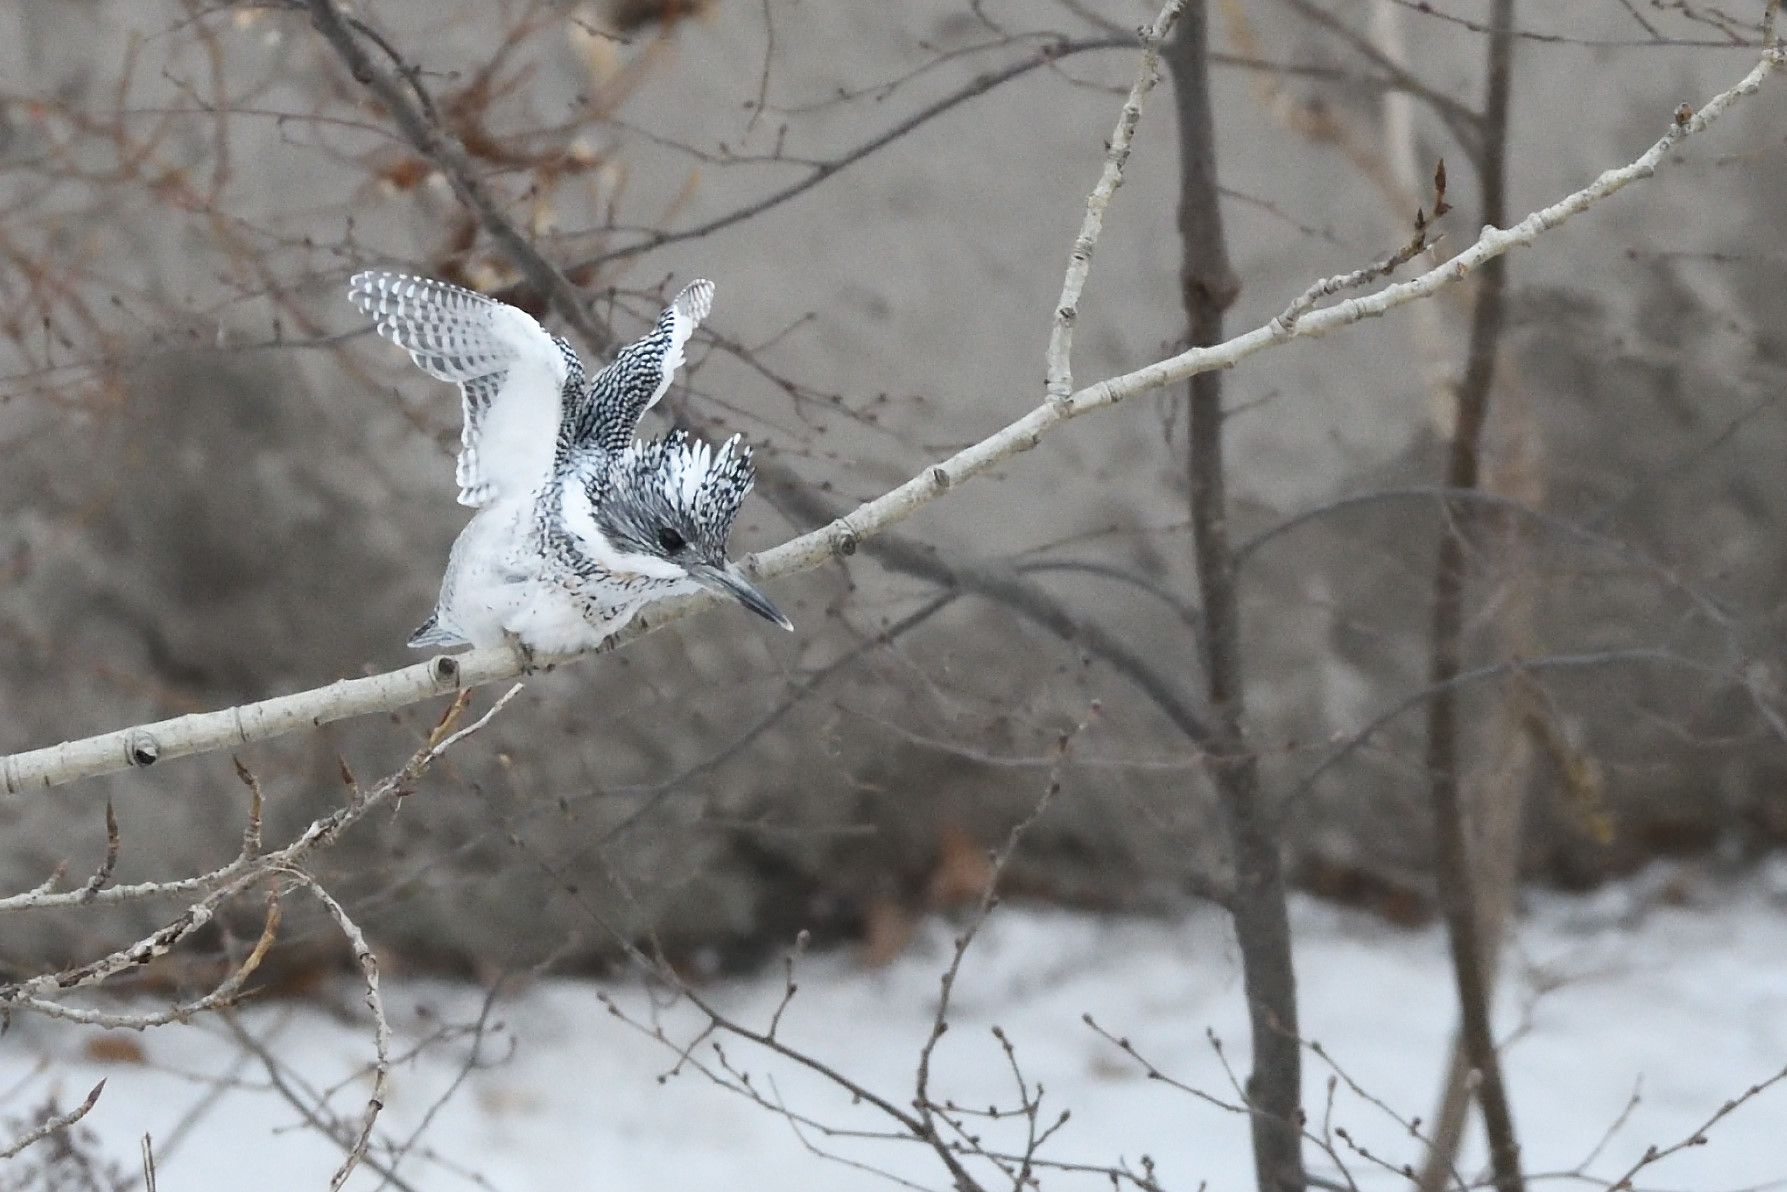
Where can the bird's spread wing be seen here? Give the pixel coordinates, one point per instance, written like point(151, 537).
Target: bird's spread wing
point(510, 371)
point(607, 413)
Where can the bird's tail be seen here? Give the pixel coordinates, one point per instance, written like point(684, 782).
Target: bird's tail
point(432, 633)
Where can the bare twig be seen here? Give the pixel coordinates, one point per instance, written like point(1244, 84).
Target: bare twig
point(38, 994)
point(395, 91)
point(1059, 358)
point(310, 1105)
point(1639, 656)
point(989, 898)
point(1656, 1154)
point(1049, 52)
point(1328, 287)
point(113, 846)
point(1460, 120)
point(50, 1125)
point(1732, 39)
point(369, 971)
point(936, 1123)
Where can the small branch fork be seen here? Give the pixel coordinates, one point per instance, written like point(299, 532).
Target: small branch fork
point(253, 866)
point(938, 1123)
point(1337, 1143)
point(1656, 1154)
point(820, 171)
point(1359, 278)
point(207, 732)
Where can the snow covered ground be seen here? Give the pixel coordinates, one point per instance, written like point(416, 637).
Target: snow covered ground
point(1607, 996)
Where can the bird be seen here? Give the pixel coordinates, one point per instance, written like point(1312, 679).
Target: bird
point(579, 524)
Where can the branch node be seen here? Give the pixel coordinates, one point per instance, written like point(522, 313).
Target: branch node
point(445, 670)
point(843, 539)
point(142, 749)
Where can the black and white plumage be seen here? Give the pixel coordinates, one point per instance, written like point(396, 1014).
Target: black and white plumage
point(578, 525)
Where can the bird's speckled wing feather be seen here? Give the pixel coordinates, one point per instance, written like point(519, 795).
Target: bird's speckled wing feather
point(510, 371)
point(607, 412)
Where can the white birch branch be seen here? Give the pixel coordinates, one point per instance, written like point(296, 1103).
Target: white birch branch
point(205, 732)
point(1059, 358)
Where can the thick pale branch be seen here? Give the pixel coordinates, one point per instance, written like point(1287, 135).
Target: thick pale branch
point(206, 732)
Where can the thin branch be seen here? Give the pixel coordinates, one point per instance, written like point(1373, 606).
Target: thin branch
point(654, 795)
point(49, 1126)
point(369, 971)
point(37, 994)
point(1059, 358)
point(1708, 605)
point(113, 846)
point(395, 90)
point(1465, 124)
point(1044, 55)
point(1656, 1154)
point(1359, 278)
point(1427, 9)
point(929, 1110)
point(310, 1107)
point(935, 1124)
point(1182, 608)
point(1503, 669)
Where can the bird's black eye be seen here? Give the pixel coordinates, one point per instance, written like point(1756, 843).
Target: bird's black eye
point(670, 540)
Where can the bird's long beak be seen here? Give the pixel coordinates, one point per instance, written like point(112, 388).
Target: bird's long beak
point(729, 580)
